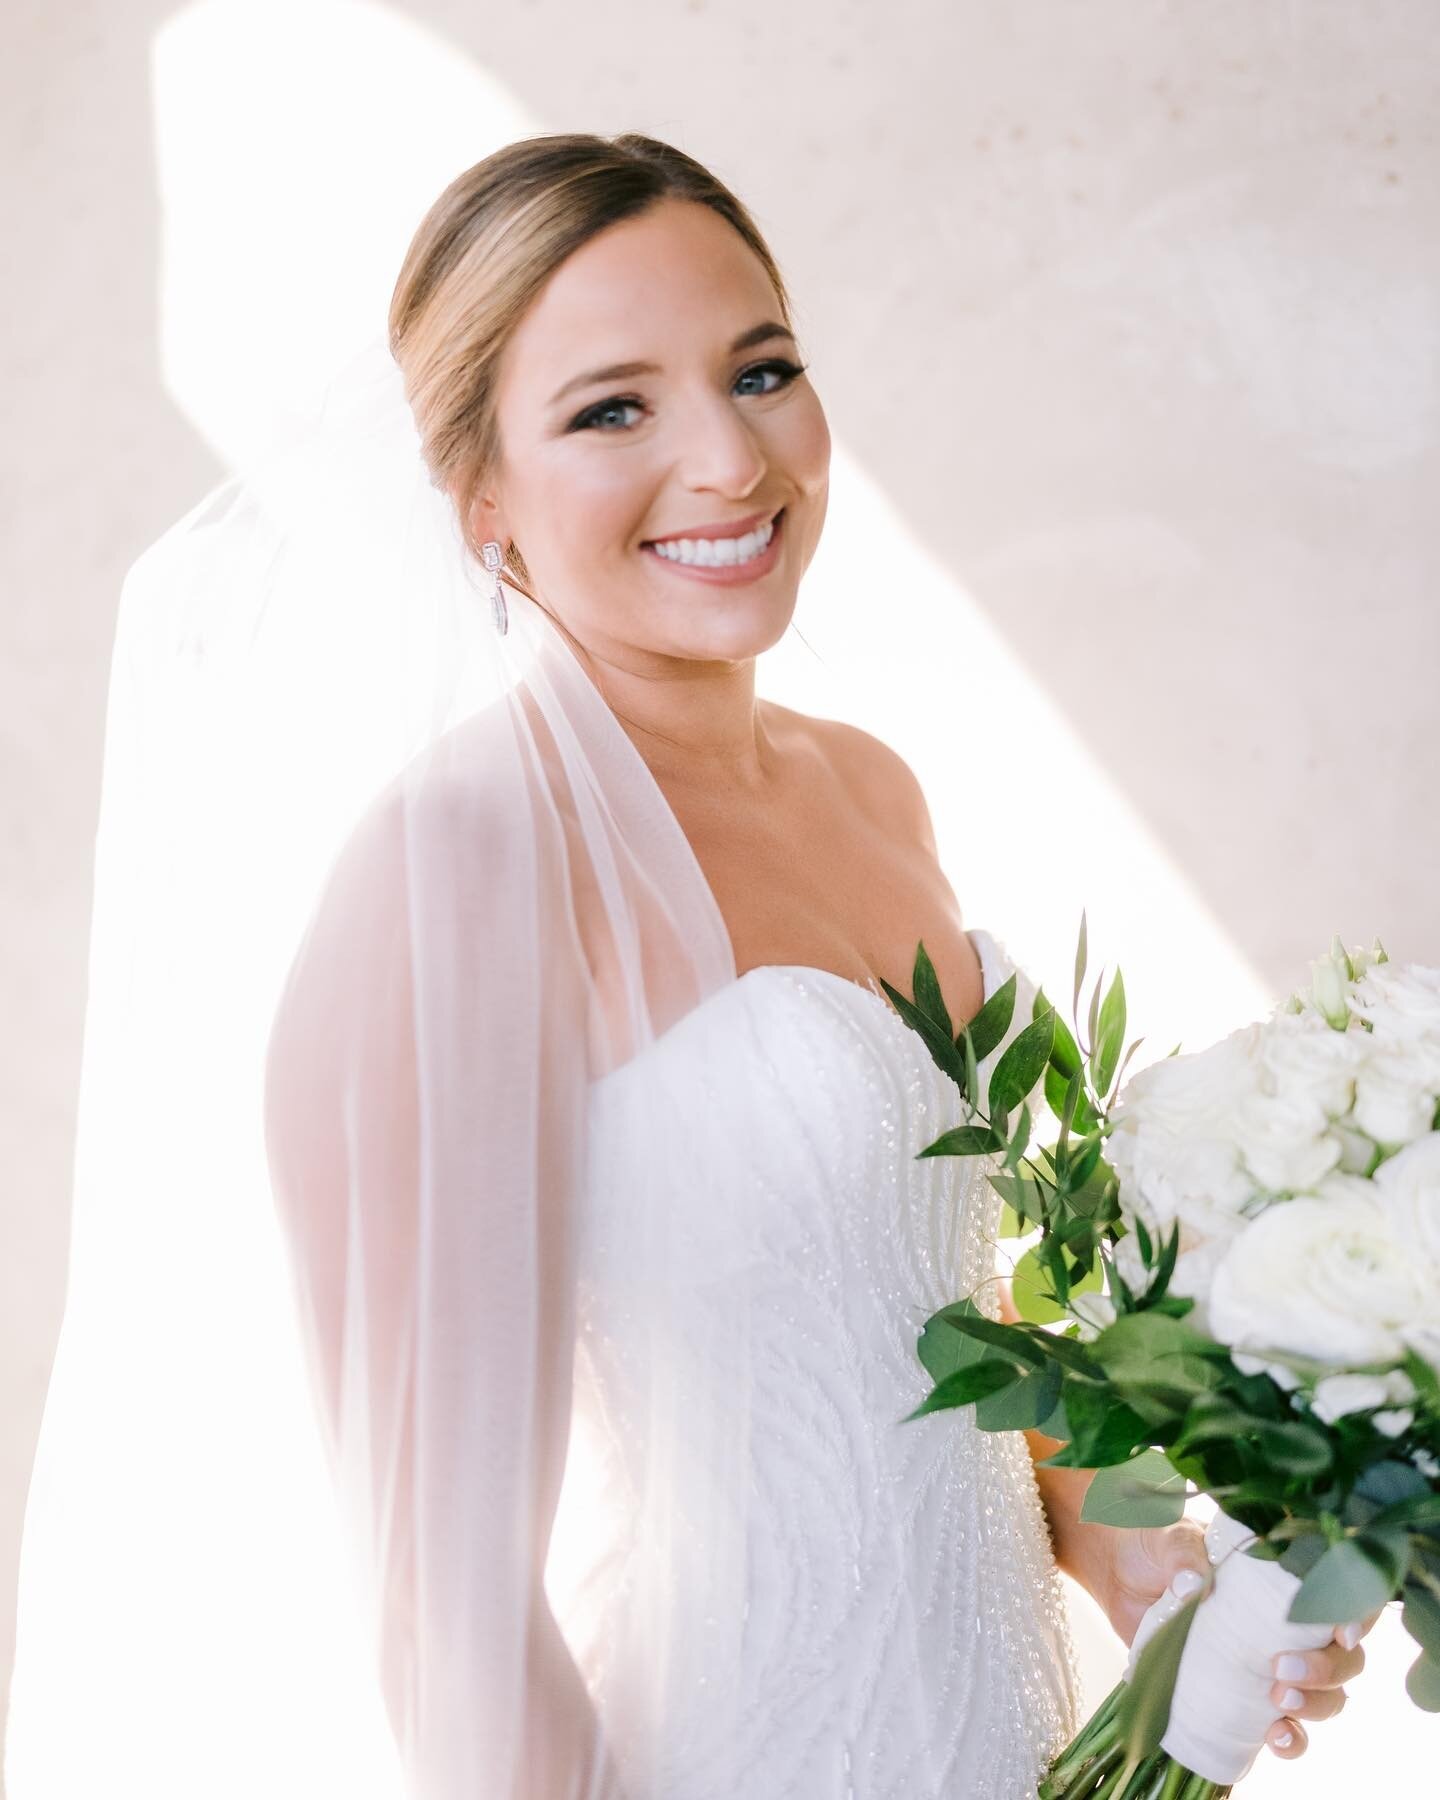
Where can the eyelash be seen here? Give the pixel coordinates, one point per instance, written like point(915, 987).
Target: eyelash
point(789, 370)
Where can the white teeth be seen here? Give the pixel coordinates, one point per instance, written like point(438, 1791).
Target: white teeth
point(717, 551)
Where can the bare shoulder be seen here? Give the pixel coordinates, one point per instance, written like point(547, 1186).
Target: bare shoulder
point(879, 778)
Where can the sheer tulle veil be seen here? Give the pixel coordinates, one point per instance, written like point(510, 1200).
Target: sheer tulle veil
point(378, 893)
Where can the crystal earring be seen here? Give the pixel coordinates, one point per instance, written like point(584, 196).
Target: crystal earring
point(492, 555)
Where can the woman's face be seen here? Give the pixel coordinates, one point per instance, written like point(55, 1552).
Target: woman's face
point(716, 432)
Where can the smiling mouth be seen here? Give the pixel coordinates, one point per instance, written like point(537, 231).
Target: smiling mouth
point(719, 553)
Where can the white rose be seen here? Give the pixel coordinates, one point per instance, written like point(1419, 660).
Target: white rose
point(1325, 1279)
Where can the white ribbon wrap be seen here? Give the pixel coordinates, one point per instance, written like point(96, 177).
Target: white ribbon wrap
point(1222, 1708)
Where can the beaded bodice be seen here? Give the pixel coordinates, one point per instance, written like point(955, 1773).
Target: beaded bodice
point(868, 1608)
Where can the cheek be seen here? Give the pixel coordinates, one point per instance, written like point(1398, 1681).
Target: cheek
point(594, 504)
point(804, 446)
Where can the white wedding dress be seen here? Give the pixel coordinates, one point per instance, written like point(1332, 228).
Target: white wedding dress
point(901, 1626)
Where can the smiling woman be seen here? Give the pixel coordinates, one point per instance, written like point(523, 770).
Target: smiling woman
point(519, 979)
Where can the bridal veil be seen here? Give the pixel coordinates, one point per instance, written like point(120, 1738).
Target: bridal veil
point(378, 891)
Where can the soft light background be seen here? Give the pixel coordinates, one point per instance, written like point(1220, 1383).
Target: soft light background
point(1127, 319)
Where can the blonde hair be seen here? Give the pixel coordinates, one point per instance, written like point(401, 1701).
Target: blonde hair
point(481, 256)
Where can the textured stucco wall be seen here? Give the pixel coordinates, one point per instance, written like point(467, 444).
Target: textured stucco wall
point(1127, 320)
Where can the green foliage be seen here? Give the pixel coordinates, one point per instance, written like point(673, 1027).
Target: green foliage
point(1151, 1403)
point(1145, 1490)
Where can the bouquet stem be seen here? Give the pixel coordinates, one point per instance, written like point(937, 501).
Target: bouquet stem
point(1093, 1767)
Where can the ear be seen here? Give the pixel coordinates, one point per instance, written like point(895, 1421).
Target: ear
point(487, 518)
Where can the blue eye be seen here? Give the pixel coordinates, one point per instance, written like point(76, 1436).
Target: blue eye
point(591, 417)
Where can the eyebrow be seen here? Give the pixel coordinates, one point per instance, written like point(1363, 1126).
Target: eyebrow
point(757, 334)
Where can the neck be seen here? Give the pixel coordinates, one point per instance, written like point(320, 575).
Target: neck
point(698, 725)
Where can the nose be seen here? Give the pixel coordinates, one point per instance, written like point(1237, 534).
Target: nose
point(719, 451)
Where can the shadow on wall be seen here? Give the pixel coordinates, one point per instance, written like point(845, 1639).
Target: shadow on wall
point(1129, 320)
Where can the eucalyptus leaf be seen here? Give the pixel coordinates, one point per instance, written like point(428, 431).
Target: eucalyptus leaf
point(1347, 1583)
point(1423, 1683)
point(1420, 1616)
point(942, 1349)
point(1147, 1490)
point(1026, 1405)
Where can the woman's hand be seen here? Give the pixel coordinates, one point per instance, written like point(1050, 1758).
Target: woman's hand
point(1126, 1571)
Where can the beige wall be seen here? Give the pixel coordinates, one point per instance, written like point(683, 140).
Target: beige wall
point(1125, 317)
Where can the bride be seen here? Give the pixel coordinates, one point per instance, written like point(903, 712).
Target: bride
point(591, 1136)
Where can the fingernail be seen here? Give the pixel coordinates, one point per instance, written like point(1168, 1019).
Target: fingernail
point(1348, 1636)
point(1187, 1582)
point(1289, 1668)
point(1282, 1740)
point(1290, 1699)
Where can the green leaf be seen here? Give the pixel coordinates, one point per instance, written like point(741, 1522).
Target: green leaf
point(1025, 1406)
point(1022, 1064)
point(926, 984)
point(1033, 1291)
point(966, 1385)
point(1011, 1225)
point(963, 1140)
point(1013, 1340)
point(1105, 1051)
point(942, 1051)
point(1300, 1556)
point(1346, 1584)
point(1144, 1710)
point(1147, 1490)
point(990, 1024)
point(1019, 1138)
point(1422, 1684)
point(1081, 951)
point(1057, 1092)
point(1065, 1053)
point(1101, 1431)
point(1420, 1616)
point(942, 1349)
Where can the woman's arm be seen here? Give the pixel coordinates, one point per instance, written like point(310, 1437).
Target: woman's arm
point(450, 1469)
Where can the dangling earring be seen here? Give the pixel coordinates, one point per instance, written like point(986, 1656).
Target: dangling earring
point(492, 555)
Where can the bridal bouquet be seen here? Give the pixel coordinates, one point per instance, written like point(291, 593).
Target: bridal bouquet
point(1234, 1289)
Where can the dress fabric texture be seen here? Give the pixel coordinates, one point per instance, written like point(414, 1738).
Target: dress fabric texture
point(889, 1585)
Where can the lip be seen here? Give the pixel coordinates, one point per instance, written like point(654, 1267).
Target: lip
point(723, 528)
point(726, 574)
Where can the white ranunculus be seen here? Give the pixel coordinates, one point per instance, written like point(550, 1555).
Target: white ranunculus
point(1323, 1278)
point(1279, 1373)
point(1401, 1000)
point(1407, 1186)
point(1176, 1158)
point(1094, 1311)
point(1395, 1090)
point(1304, 1080)
point(1337, 1396)
point(1394, 1420)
